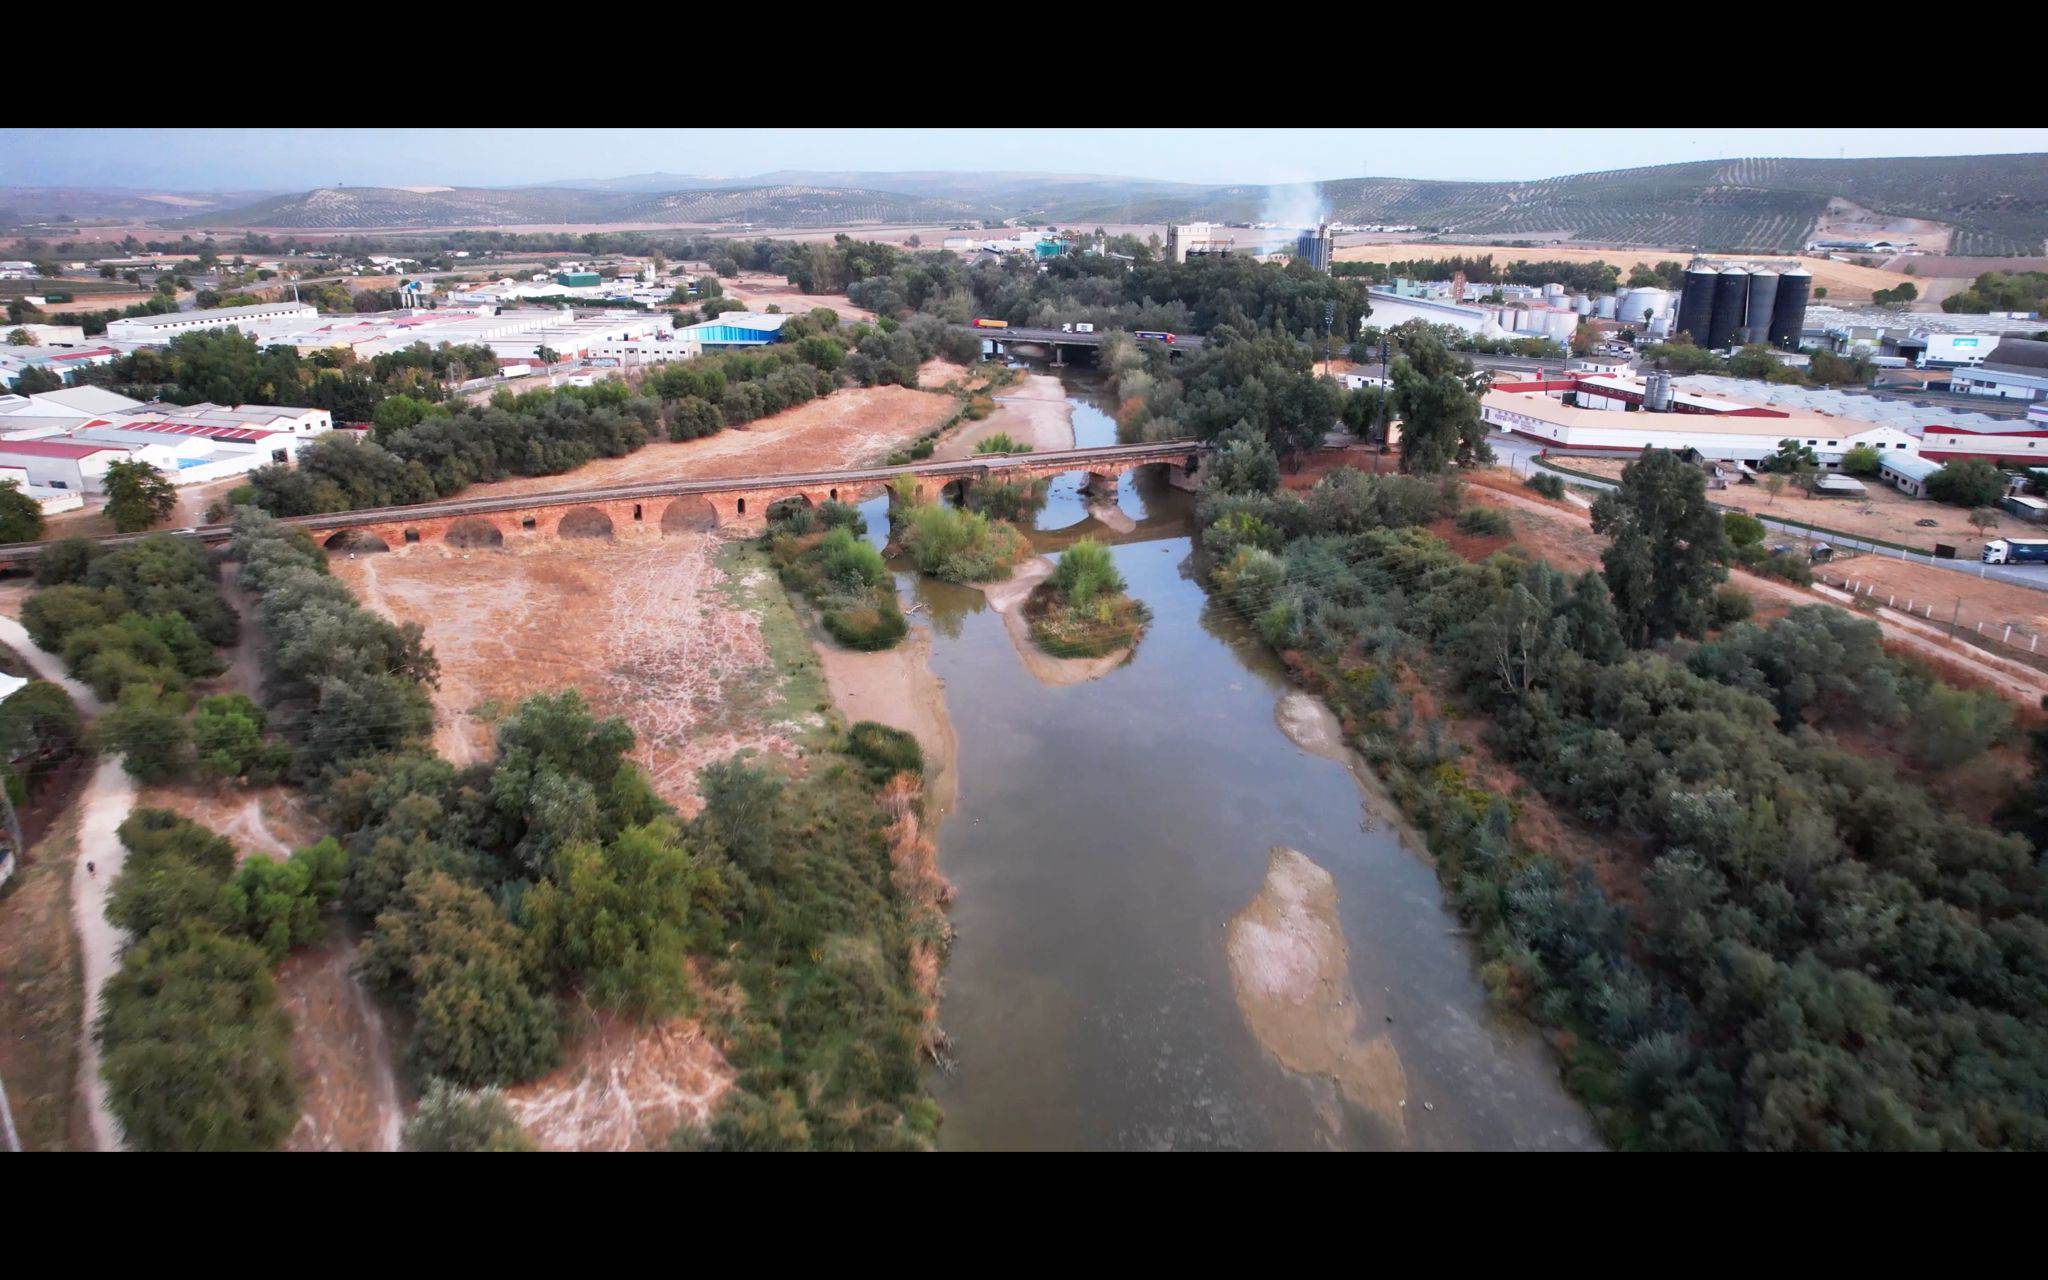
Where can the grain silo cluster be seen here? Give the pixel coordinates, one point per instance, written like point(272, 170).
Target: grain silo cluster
point(1726, 304)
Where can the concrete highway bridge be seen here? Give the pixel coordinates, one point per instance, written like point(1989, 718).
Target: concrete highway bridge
point(1053, 341)
point(675, 506)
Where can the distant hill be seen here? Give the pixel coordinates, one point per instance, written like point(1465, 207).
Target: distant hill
point(398, 208)
point(1998, 205)
point(20, 205)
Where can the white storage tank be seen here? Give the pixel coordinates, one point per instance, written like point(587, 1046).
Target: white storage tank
point(1635, 302)
point(1560, 324)
point(1606, 309)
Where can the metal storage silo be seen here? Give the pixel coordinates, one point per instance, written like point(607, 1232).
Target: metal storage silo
point(1731, 293)
point(1763, 292)
point(1696, 305)
point(1788, 312)
point(1636, 302)
point(1604, 309)
point(1582, 304)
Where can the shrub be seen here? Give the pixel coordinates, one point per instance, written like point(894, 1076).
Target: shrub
point(868, 627)
point(1086, 571)
point(450, 1119)
point(887, 750)
point(960, 546)
point(1001, 442)
point(1731, 604)
point(1484, 522)
point(1742, 530)
point(1549, 484)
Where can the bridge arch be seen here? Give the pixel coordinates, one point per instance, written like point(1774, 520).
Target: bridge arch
point(474, 531)
point(356, 540)
point(691, 513)
point(786, 505)
point(584, 522)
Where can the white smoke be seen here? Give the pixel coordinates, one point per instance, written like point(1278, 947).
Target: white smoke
point(1299, 205)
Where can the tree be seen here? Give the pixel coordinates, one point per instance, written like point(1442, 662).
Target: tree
point(1863, 460)
point(21, 517)
point(1970, 483)
point(138, 495)
point(1793, 459)
point(1774, 485)
point(1440, 422)
point(1983, 518)
point(35, 380)
point(196, 1053)
point(1742, 530)
point(1243, 462)
point(1667, 551)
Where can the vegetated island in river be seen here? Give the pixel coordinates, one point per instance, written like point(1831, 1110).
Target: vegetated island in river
point(1082, 610)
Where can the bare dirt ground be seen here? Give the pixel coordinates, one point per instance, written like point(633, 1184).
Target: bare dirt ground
point(1289, 967)
point(646, 631)
point(108, 798)
point(1034, 411)
point(41, 1011)
point(1847, 220)
point(90, 520)
point(760, 291)
point(856, 425)
point(623, 1087)
point(1844, 281)
point(342, 1051)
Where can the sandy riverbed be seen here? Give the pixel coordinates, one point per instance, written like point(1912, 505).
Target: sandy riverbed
point(896, 687)
point(1035, 411)
point(1290, 970)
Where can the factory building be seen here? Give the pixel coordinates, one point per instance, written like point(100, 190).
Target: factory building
point(1315, 248)
point(736, 329)
point(159, 330)
point(1191, 238)
point(2020, 372)
point(1606, 414)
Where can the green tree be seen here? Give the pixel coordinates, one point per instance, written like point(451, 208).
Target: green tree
point(195, 1051)
point(21, 517)
point(1667, 551)
point(1972, 482)
point(1433, 395)
point(138, 495)
point(1863, 460)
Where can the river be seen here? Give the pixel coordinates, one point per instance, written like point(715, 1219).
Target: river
point(1105, 835)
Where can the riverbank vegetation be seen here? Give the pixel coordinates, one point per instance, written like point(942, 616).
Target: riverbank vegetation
point(959, 545)
point(1082, 610)
point(821, 556)
point(502, 898)
point(1782, 942)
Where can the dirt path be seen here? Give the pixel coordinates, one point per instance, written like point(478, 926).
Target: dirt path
point(47, 666)
point(107, 800)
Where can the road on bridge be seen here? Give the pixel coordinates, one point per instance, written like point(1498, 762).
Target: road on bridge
point(1167, 451)
point(1181, 341)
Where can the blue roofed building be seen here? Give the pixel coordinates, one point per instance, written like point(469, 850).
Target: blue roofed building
point(737, 329)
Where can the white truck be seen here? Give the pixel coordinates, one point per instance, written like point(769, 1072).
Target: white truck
point(2016, 551)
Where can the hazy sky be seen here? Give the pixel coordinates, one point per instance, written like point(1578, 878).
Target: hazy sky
point(220, 159)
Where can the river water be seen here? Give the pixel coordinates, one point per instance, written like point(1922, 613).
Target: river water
point(1104, 836)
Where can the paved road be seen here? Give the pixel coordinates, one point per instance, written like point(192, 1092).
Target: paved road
point(1181, 341)
point(1518, 455)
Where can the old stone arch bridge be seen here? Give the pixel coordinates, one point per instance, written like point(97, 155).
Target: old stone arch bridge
point(650, 510)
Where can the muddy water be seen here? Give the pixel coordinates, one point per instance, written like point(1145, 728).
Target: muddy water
point(1106, 835)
